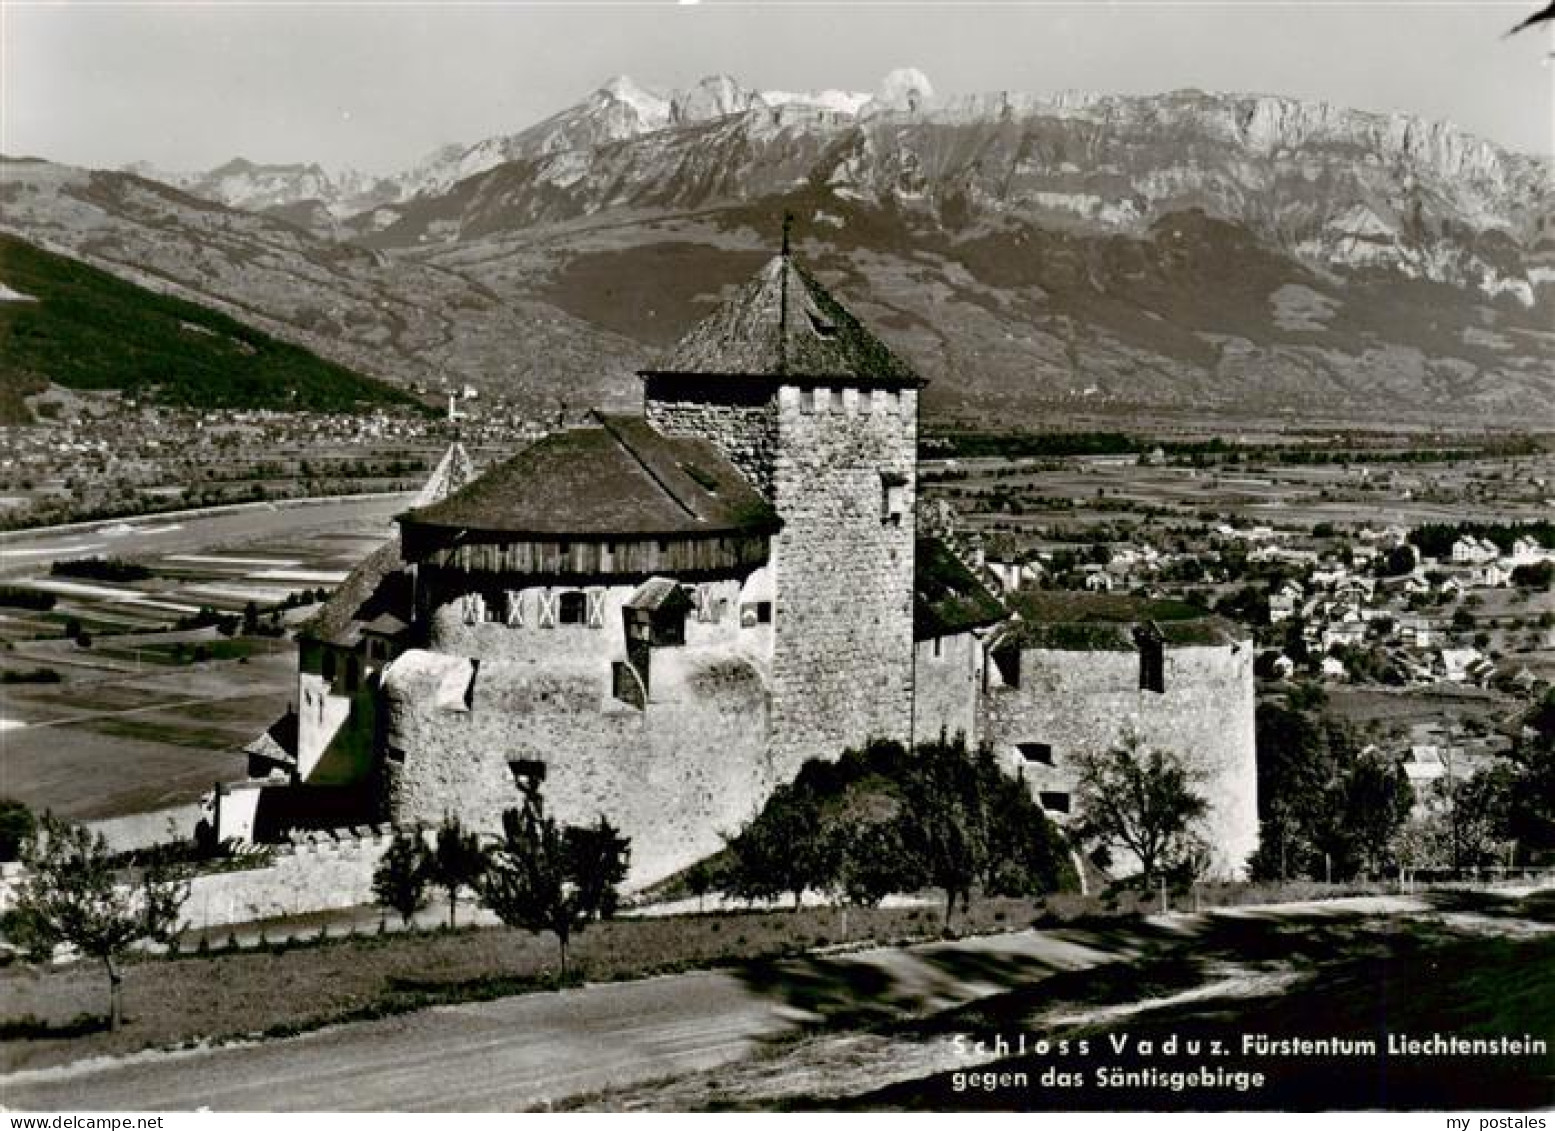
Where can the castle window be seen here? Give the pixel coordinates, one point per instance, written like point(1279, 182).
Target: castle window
point(939, 647)
point(1040, 752)
point(893, 497)
point(329, 665)
point(1007, 661)
point(1054, 802)
point(822, 327)
point(758, 612)
point(664, 546)
point(573, 608)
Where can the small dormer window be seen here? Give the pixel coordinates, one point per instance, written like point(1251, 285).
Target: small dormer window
point(822, 328)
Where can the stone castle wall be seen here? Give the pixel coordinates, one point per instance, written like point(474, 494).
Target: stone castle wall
point(948, 675)
point(317, 872)
point(671, 775)
point(843, 564)
point(740, 422)
point(320, 871)
point(321, 712)
point(1078, 701)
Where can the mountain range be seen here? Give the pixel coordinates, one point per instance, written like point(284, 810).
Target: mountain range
point(1244, 255)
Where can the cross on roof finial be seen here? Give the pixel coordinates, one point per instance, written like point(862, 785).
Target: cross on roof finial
point(788, 223)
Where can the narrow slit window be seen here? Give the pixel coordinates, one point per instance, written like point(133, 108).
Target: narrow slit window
point(1152, 660)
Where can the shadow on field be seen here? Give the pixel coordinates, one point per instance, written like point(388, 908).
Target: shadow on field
point(1278, 979)
point(1536, 907)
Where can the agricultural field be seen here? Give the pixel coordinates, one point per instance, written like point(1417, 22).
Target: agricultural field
point(1032, 499)
point(134, 694)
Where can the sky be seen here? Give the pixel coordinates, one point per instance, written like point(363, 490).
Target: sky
point(377, 85)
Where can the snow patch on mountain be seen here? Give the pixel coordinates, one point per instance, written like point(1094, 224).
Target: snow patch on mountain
point(652, 109)
point(849, 102)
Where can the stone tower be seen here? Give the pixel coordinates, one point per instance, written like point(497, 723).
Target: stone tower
point(823, 419)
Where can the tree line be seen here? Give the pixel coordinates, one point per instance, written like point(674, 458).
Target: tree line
point(1332, 808)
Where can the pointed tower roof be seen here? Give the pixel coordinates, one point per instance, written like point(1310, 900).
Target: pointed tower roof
point(784, 325)
point(452, 472)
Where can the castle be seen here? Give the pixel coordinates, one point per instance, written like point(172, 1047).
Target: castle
point(661, 617)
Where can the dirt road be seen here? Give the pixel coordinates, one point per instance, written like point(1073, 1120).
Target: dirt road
point(525, 1051)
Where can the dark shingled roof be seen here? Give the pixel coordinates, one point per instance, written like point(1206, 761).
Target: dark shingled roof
point(947, 597)
point(659, 593)
point(1106, 622)
point(784, 324)
point(621, 478)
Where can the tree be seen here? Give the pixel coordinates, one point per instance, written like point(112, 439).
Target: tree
point(1368, 806)
point(872, 861)
point(1532, 817)
point(1470, 818)
point(699, 881)
point(1139, 800)
point(945, 825)
point(457, 862)
point(557, 878)
point(16, 828)
point(781, 850)
point(403, 875)
point(73, 894)
point(1295, 767)
point(1027, 855)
